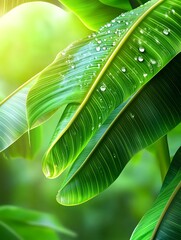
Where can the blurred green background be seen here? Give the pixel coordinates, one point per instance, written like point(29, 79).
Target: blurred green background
point(30, 38)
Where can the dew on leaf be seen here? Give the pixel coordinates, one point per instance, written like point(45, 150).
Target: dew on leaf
point(123, 69)
point(98, 49)
point(140, 59)
point(153, 61)
point(141, 49)
point(145, 75)
point(166, 31)
point(103, 88)
point(132, 115)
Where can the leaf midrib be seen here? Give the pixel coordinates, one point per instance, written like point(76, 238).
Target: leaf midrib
point(103, 70)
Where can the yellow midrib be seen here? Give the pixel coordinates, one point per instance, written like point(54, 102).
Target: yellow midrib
point(112, 56)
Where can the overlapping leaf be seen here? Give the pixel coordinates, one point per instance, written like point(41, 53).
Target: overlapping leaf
point(13, 122)
point(94, 76)
point(86, 10)
point(149, 115)
point(22, 224)
point(162, 221)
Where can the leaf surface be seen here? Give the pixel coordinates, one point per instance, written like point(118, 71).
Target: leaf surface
point(148, 116)
point(94, 76)
point(162, 221)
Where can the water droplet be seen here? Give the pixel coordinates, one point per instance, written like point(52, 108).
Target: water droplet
point(166, 31)
point(108, 31)
point(99, 41)
point(98, 49)
point(173, 11)
point(145, 75)
point(153, 61)
point(141, 31)
point(99, 125)
point(140, 59)
point(132, 115)
point(103, 88)
point(104, 48)
point(92, 128)
point(63, 53)
point(122, 14)
point(114, 43)
point(73, 66)
point(108, 24)
point(123, 69)
point(127, 23)
point(99, 65)
point(141, 49)
point(113, 21)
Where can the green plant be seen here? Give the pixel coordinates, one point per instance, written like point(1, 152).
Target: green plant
point(116, 92)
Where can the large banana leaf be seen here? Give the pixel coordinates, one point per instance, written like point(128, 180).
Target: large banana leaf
point(149, 115)
point(96, 75)
point(163, 220)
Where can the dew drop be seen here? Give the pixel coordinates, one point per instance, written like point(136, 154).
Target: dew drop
point(73, 66)
point(99, 65)
point(123, 69)
point(114, 43)
point(103, 88)
point(141, 31)
point(140, 59)
point(104, 48)
point(173, 11)
point(153, 61)
point(131, 115)
point(145, 75)
point(109, 25)
point(166, 32)
point(98, 49)
point(142, 49)
point(99, 41)
point(127, 23)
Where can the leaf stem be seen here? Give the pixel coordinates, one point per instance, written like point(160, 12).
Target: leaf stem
point(162, 155)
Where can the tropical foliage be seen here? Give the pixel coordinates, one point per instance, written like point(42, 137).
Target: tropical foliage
point(110, 95)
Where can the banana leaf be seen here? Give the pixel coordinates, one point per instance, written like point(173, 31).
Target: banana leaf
point(13, 121)
point(96, 75)
point(163, 220)
point(86, 10)
point(148, 116)
point(22, 224)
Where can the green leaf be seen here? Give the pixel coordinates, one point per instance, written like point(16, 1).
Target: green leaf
point(86, 10)
point(96, 75)
point(149, 115)
point(13, 122)
point(162, 221)
point(27, 224)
